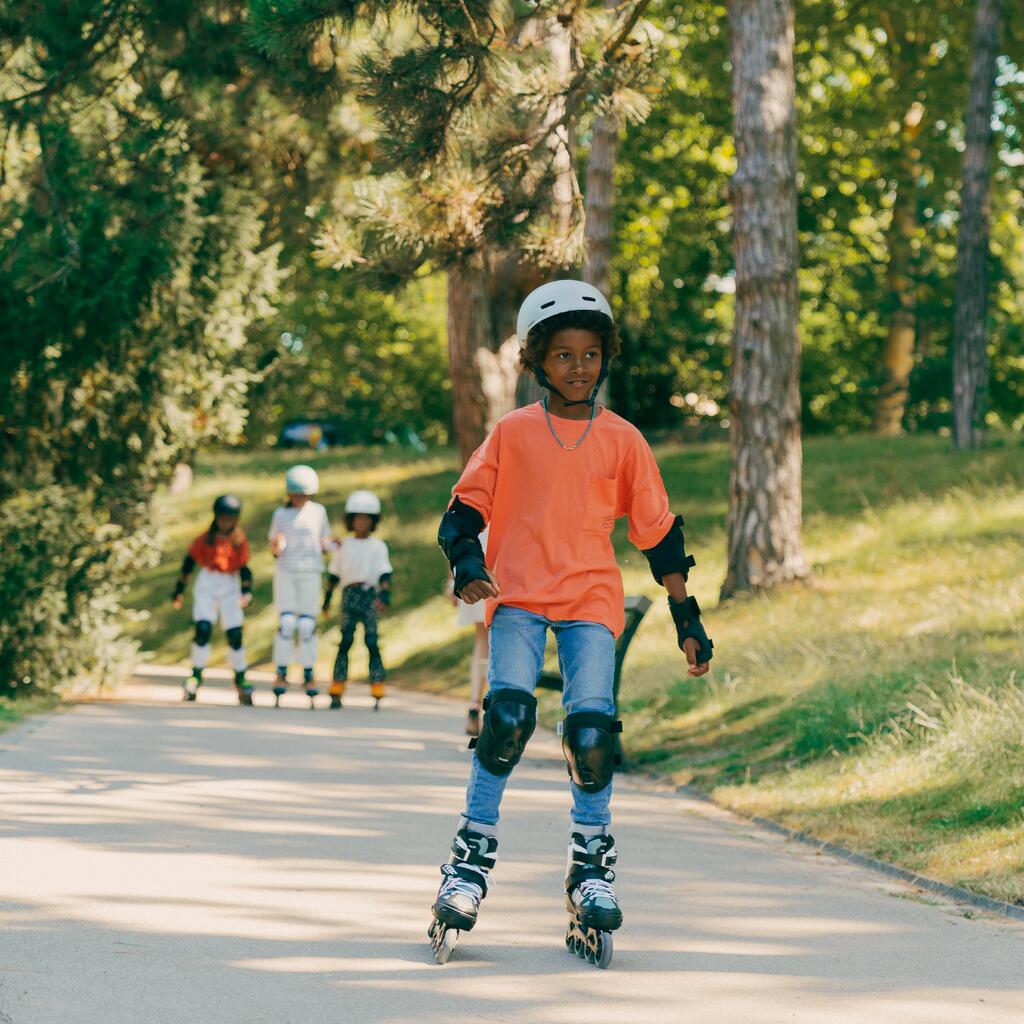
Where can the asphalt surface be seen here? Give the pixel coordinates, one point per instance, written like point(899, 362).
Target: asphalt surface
point(168, 863)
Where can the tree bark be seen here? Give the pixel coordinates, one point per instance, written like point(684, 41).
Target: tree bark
point(765, 486)
point(565, 189)
point(599, 205)
point(599, 201)
point(468, 331)
point(900, 340)
point(970, 328)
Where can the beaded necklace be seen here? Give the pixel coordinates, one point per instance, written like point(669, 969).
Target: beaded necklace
point(551, 427)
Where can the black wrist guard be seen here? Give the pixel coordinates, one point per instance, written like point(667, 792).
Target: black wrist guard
point(669, 554)
point(459, 537)
point(246, 576)
point(179, 589)
point(686, 616)
point(384, 596)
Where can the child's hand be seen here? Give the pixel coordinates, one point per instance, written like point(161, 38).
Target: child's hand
point(380, 607)
point(246, 600)
point(177, 601)
point(479, 590)
point(690, 648)
point(277, 544)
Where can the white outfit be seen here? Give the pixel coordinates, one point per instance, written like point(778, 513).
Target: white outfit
point(473, 614)
point(218, 595)
point(298, 579)
point(360, 560)
point(306, 533)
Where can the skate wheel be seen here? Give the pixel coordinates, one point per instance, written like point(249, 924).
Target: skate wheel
point(443, 940)
point(446, 947)
point(604, 950)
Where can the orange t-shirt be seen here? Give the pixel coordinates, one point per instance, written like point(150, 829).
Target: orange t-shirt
point(225, 554)
point(552, 511)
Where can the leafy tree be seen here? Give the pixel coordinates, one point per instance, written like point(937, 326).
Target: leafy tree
point(132, 268)
point(477, 117)
point(375, 364)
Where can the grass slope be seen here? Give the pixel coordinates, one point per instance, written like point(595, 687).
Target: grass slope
point(880, 706)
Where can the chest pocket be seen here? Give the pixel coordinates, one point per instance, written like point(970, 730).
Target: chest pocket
point(599, 514)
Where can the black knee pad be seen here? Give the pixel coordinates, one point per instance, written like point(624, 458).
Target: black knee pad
point(588, 742)
point(510, 716)
point(204, 630)
point(234, 636)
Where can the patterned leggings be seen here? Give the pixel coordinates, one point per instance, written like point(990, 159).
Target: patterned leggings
point(357, 605)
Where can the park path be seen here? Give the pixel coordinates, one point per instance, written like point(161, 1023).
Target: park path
point(164, 863)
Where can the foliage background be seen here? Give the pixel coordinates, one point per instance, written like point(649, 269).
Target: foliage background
point(165, 185)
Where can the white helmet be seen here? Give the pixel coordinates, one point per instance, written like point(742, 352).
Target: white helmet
point(301, 480)
point(365, 502)
point(559, 297)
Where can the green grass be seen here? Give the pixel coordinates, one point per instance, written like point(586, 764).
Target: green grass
point(879, 706)
point(12, 712)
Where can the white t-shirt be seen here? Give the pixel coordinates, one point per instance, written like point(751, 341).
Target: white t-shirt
point(360, 560)
point(306, 531)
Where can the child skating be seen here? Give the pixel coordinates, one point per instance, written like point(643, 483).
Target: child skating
point(223, 590)
point(362, 566)
point(299, 535)
point(550, 481)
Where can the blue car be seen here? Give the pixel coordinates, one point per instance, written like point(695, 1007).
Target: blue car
point(315, 434)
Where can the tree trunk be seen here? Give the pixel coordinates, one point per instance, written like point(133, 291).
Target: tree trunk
point(970, 329)
point(765, 497)
point(600, 199)
point(900, 341)
point(565, 189)
point(599, 204)
point(468, 331)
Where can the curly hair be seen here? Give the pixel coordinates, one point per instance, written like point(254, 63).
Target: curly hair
point(535, 349)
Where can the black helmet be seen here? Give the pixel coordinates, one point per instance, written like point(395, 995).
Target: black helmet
point(227, 505)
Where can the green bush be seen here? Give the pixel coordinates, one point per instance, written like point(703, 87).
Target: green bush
point(65, 569)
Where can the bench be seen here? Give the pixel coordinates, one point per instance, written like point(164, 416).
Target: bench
point(636, 609)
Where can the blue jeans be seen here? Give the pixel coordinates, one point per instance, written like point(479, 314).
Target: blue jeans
point(586, 658)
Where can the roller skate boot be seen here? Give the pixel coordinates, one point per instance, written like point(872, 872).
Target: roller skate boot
point(594, 912)
point(310, 687)
point(280, 686)
point(190, 687)
point(377, 693)
point(337, 691)
point(244, 690)
point(463, 886)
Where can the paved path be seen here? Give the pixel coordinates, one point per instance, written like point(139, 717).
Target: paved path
point(164, 863)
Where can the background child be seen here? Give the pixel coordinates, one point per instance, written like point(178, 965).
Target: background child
point(223, 590)
point(362, 566)
point(551, 479)
point(473, 615)
point(299, 535)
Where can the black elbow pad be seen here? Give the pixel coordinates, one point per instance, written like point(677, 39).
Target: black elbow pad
point(459, 537)
point(669, 554)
